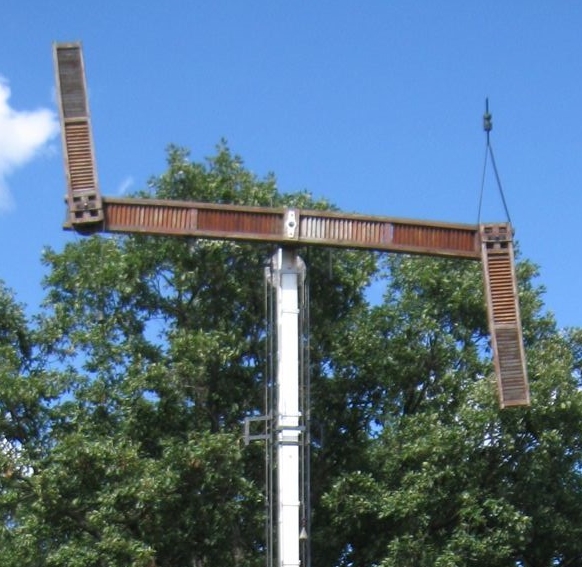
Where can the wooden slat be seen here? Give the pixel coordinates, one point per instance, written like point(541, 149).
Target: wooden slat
point(503, 313)
point(83, 196)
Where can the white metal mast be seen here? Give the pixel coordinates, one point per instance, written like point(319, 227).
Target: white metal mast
point(289, 271)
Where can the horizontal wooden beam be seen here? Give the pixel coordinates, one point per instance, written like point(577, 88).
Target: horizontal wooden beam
point(284, 226)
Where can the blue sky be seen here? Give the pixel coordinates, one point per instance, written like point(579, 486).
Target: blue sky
point(375, 105)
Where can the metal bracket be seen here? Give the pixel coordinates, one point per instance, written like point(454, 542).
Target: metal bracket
point(291, 223)
point(496, 235)
point(255, 436)
point(85, 206)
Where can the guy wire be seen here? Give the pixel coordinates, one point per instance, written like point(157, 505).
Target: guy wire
point(488, 126)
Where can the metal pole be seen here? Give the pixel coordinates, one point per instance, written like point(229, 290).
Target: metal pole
point(289, 268)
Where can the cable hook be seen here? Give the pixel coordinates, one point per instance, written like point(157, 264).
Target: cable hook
point(487, 122)
point(488, 126)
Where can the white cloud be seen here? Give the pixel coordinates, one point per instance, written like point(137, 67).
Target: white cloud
point(23, 134)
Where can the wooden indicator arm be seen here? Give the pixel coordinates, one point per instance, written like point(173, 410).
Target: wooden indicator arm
point(88, 212)
point(83, 194)
point(505, 329)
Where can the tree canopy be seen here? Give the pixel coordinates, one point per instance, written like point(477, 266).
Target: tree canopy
point(122, 403)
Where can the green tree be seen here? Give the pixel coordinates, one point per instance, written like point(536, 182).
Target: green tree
point(122, 406)
point(449, 479)
point(160, 345)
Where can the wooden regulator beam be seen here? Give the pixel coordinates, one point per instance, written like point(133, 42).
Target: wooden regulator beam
point(88, 212)
point(284, 226)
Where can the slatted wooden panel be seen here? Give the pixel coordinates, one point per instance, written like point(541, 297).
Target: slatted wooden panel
point(503, 313)
point(389, 234)
point(189, 218)
point(320, 227)
point(460, 241)
point(258, 224)
point(83, 195)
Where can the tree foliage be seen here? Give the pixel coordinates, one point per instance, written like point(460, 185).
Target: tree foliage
point(450, 479)
point(122, 404)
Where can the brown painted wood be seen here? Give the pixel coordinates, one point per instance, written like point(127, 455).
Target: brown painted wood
point(83, 193)
point(503, 313)
point(263, 224)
